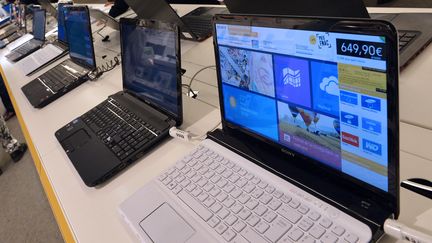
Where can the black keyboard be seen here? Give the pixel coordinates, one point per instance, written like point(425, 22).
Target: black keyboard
point(406, 37)
point(25, 48)
point(58, 78)
point(122, 131)
point(201, 27)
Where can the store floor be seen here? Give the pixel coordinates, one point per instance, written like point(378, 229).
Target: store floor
point(25, 214)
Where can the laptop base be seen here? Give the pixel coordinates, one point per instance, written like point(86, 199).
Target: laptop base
point(323, 188)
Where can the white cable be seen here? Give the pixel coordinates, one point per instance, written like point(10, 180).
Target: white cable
point(403, 232)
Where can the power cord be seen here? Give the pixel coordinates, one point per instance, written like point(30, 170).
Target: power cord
point(106, 67)
point(189, 86)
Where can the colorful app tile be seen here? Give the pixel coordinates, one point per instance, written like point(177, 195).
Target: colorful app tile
point(252, 111)
point(292, 80)
point(349, 119)
point(371, 103)
point(310, 133)
point(325, 88)
point(247, 70)
point(348, 97)
point(371, 125)
point(372, 147)
point(350, 139)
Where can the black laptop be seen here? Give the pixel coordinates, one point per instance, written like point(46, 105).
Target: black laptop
point(121, 129)
point(39, 19)
point(196, 25)
point(71, 72)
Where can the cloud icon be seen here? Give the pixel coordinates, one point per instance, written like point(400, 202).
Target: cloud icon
point(330, 85)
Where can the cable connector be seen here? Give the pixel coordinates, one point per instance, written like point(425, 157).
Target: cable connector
point(180, 134)
point(402, 232)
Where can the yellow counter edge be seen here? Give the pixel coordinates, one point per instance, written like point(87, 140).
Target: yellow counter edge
point(55, 206)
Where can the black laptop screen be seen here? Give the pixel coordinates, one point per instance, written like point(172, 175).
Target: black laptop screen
point(39, 24)
point(150, 65)
point(321, 94)
point(78, 30)
point(61, 29)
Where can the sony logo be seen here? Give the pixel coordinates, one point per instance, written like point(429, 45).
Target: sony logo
point(288, 152)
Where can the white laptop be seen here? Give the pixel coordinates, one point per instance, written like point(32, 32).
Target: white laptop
point(309, 150)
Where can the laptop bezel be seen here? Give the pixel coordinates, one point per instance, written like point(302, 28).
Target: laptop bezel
point(44, 23)
point(77, 60)
point(158, 25)
point(388, 200)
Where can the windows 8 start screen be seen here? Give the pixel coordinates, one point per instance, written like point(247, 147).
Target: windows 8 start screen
point(322, 94)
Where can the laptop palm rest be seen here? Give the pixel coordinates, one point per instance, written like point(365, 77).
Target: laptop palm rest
point(163, 218)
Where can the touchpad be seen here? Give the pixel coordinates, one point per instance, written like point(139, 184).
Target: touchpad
point(76, 140)
point(164, 225)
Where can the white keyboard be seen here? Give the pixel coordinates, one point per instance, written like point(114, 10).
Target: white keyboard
point(242, 207)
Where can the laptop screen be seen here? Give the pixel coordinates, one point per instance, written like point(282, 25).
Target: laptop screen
point(39, 24)
point(78, 30)
point(61, 29)
point(320, 94)
point(151, 65)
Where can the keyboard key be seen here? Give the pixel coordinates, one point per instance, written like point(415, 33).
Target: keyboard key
point(269, 189)
point(317, 231)
point(351, 238)
point(239, 226)
point(221, 228)
point(294, 203)
point(213, 222)
point(307, 239)
point(262, 184)
point(295, 234)
point(251, 204)
point(236, 193)
point(249, 187)
point(231, 220)
point(285, 198)
point(244, 213)
point(266, 198)
point(305, 224)
point(277, 194)
point(257, 193)
point(209, 202)
point(215, 207)
point(289, 214)
point(243, 198)
point(195, 206)
point(228, 202)
point(329, 238)
point(202, 197)
point(338, 230)
point(223, 213)
point(229, 235)
point(277, 229)
point(274, 204)
point(221, 197)
point(214, 191)
point(260, 210)
point(303, 209)
point(196, 192)
point(325, 222)
point(314, 215)
point(228, 188)
point(252, 236)
point(177, 189)
point(269, 216)
point(236, 208)
point(252, 220)
point(262, 227)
